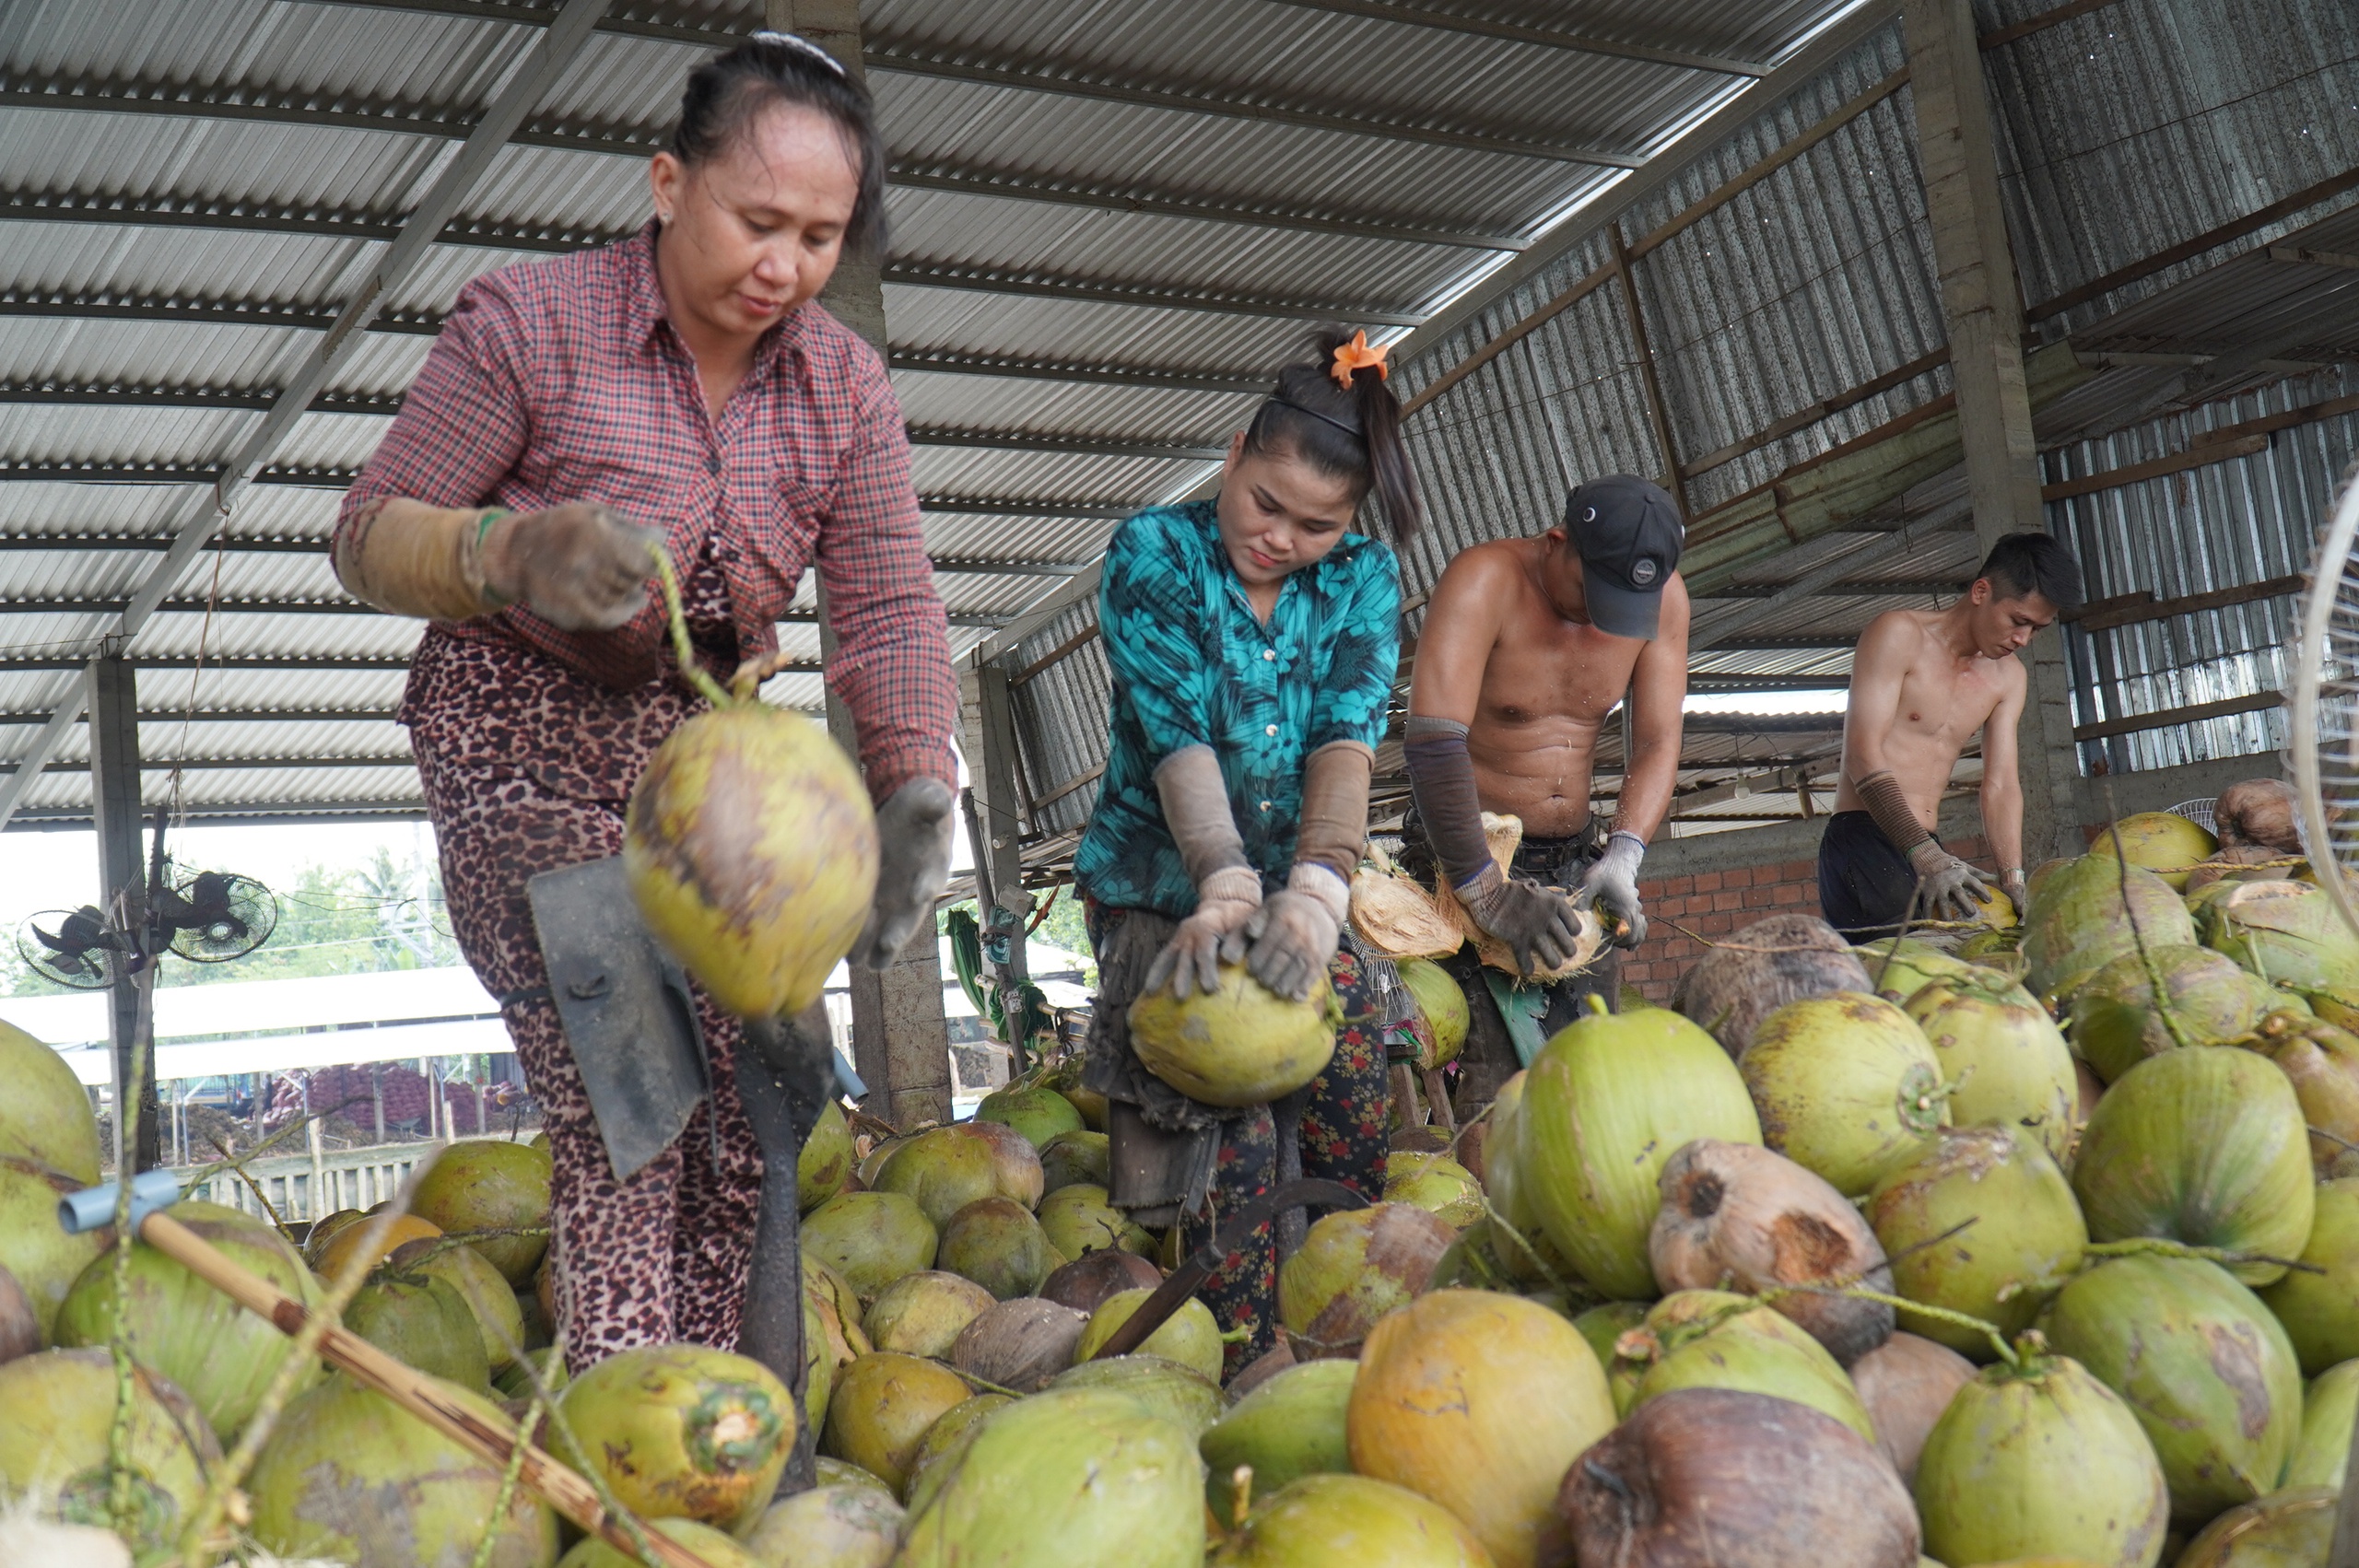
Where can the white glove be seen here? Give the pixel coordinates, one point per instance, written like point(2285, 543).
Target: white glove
point(1294, 933)
point(1189, 962)
point(914, 835)
point(1612, 885)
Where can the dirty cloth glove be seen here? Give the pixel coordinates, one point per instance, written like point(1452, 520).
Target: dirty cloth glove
point(1196, 810)
point(1189, 962)
point(1293, 935)
point(913, 832)
point(1948, 888)
point(1612, 887)
point(581, 567)
point(1539, 925)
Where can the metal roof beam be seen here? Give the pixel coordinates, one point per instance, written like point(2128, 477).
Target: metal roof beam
point(1515, 32)
point(315, 814)
point(1049, 441)
point(1861, 588)
point(919, 272)
point(239, 716)
point(955, 362)
point(122, 544)
point(323, 663)
point(195, 606)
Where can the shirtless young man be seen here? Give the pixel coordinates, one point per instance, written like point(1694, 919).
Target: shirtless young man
point(1922, 683)
point(1528, 644)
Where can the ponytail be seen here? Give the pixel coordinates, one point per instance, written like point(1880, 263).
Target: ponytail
point(1334, 412)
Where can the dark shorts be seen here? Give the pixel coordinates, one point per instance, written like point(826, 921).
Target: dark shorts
point(1864, 884)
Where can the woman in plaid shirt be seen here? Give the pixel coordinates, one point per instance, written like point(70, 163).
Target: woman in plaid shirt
point(683, 387)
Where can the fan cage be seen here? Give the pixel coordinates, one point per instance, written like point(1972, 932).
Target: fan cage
point(2324, 732)
point(2199, 813)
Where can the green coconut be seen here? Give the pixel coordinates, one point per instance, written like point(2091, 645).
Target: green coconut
point(997, 1243)
point(487, 1183)
point(1608, 1100)
point(2330, 1410)
point(1917, 965)
point(2287, 1529)
point(829, 1527)
point(717, 1550)
point(2164, 843)
point(45, 1117)
point(870, 1239)
point(826, 1160)
point(2041, 1461)
point(1290, 1427)
point(838, 1309)
point(34, 1249)
point(1068, 1479)
point(1603, 1326)
point(1348, 1521)
point(2115, 1024)
point(945, 1168)
point(1441, 1003)
point(2003, 1058)
point(223, 1355)
point(2205, 1147)
point(425, 1324)
point(2077, 924)
point(2322, 1061)
point(1036, 1111)
point(1436, 1183)
point(1188, 1336)
point(2320, 1311)
point(1512, 1238)
point(54, 1444)
point(2022, 1234)
point(1355, 1265)
point(1846, 1086)
point(881, 1407)
point(818, 1362)
point(1242, 1045)
point(828, 1470)
point(1071, 1159)
point(943, 1441)
point(685, 1431)
point(2208, 1371)
point(498, 1311)
point(1685, 1342)
point(1162, 1387)
point(923, 1314)
point(2287, 932)
point(1079, 1219)
point(350, 1476)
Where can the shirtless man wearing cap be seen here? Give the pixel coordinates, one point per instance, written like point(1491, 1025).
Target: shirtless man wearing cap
point(1528, 644)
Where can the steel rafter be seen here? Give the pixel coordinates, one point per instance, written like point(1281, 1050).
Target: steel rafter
point(1856, 587)
point(196, 606)
point(132, 544)
point(339, 223)
point(1514, 32)
point(920, 273)
point(239, 716)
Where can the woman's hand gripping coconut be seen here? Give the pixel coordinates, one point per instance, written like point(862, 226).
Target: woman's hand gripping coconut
point(1253, 640)
point(680, 389)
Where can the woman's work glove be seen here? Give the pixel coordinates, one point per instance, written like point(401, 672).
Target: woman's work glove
point(1194, 797)
point(1539, 925)
point(1948, 888)
point(914, 833)
point(1189, 962)
point(1612, 887)
point(582, 566)
point(1288, 940)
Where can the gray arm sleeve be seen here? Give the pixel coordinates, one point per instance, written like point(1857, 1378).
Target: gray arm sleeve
point(1889, 809)
point(1195, 808)
point(1441, 778)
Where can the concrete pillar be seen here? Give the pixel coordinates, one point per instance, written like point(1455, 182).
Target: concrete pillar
point(1983, 303)
point(122, 868)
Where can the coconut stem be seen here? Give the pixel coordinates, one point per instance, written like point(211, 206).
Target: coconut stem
point(2226, 1257)
point(2137, 932)
point(508, 1478)
point(692, 670)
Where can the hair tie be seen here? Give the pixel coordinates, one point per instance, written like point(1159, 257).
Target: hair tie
point(1355, 357)
point(803, 46)
point(1352, 430)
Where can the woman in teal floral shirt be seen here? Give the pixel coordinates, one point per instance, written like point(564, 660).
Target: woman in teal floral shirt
point(1254, 639)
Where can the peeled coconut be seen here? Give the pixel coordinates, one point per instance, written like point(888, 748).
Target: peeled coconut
point(2078, 1477)
point(1846, 1086)
point(2208, 1371)
point(425, 1324)
point(1162, 1387)
point(825, 1163)
point(718, 1549)
point(1717, 1340)
point(1738, 1216)
point(2163, 842)
point(1605, 1104)
point(829, 1527)
point(2205, 1147)
point(996, 1243)
point(350, 1476)
point(1070, 1158)
point(1035, 1110)
point(2026, 1237)
point(870, 1238)
point(1188, 1336)
point(1078, 1220)
point(1735, 1479)
point(881, 1407)
point(2320, 1312)
point(2076, 924)
point(818, 1362)
point(1440, 1003)
point(1436, 1183)
point(34, 1249)
point(838, 1307)
point(1479, 1401)
point(943, 1443)
point(2115, 1024)
point(1242, 1045)
point(2287, 932)
point(1905, 1383)
point(685, 1431)
point(53, 1445)
point(1290, 1427)
point(1354, 1267)
point(2330, 1408)
point(490, 1183)
point(1348, 1521)
point(945, 1168)
point(750, 847)
point(924, 1313)
point(45, 1117)
point(1896, 976)
point(2322, 1061)
point(1759, 969)
point(2289, 1528)
point(1073, 1479)
point(498, 1312)
point(1092, 1277)
point(221, 1354)
point(2001, 1055)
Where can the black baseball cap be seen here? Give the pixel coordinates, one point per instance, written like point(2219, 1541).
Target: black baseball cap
point(1629, 536)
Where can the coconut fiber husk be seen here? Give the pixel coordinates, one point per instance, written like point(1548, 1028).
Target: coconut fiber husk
point(1396, 916)
point(2261, 811)
point(1761, 969)
point(1502, 834)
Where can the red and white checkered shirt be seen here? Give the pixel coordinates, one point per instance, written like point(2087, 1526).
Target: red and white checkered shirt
point(562, 381)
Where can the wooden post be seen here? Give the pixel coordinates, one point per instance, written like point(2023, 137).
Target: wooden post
point(113, 698)
point(1983, 303)
point(998, 823)
point(319, 1171)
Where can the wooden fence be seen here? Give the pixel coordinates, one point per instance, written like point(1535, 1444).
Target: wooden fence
point(311, 1186)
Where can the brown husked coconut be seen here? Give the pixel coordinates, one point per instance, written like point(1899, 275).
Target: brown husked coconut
point(1020, 1344)
point(1097, 1274)
point(1502, 834)
point(2262, 812)
point(1736, 1216)
point(1393, 915)
point(1907, 1382)
point(1717, 1478)
point(1761, 969)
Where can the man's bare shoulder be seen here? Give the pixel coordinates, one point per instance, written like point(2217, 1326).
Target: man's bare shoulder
point(1894, 636)
point(1489, 565)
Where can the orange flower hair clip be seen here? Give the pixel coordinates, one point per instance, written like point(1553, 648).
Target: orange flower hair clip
point(1356, 356)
